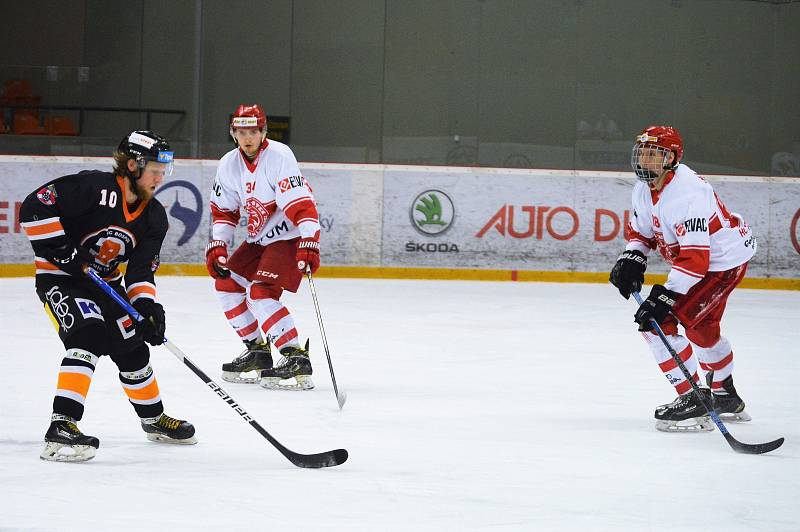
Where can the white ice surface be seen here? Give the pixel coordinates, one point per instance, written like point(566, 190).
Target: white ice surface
point(471, 406)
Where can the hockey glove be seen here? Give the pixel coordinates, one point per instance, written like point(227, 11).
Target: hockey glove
point(628, 273)
point(70, 258)
point(217, 259)
point(656, 306)
point(153, 325)
point(308, 254)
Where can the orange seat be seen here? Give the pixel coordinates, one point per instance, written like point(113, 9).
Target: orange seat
point(19, 92)
point(27, 124)
point(61, 125)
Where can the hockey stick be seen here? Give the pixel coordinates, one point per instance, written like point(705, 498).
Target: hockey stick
point(327, 459)
point(736, 445)
point(341, 397)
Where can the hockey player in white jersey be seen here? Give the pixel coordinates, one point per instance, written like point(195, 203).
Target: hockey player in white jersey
point(678, 213)
point(262, 178)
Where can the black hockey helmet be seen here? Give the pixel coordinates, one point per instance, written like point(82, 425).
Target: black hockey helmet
point(143, 146)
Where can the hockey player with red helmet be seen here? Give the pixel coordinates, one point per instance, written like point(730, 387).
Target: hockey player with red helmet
point(708, 248)
point(262, 178)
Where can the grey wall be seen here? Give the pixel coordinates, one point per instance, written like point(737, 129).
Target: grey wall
point(545, 83)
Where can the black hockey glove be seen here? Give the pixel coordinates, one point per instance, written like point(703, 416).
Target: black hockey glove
point(656, 306)
point(628, 273)
point(70, 258)
point(151, 329)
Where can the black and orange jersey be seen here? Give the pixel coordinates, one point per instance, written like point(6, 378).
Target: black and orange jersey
point(89, 209)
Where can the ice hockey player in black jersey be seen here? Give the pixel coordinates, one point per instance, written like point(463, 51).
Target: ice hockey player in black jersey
point(102, 220)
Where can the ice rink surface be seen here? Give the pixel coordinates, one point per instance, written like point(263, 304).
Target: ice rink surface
point(471, 406)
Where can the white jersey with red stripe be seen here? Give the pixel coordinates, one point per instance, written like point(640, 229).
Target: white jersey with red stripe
point(271, 190)
point(690, 227)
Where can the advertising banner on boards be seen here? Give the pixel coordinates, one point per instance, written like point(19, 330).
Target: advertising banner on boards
point(440, 217)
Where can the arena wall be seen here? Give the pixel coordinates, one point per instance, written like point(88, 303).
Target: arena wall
point(391, 221)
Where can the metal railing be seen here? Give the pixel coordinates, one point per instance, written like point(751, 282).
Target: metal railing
point(82, 110)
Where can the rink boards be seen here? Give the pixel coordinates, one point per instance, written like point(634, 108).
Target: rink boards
point(440, 222)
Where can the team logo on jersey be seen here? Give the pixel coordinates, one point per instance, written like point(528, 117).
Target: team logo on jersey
point(432, 212)
point(126, 326)
point(656, 223)
point(258, 214)
point(47, 195)
point(112, 247)
point(189, 216)
point(680, 229)
point(89, 308)
point(292, 182)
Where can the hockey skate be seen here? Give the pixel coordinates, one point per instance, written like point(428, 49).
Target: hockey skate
point(256, 357)
point(685, 414)
point(295, 365)
point(728, 406)
point(166, 429)
point(64, 442)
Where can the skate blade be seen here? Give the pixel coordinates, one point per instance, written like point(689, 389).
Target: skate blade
point(302, 382)
point(75, 453)
point(738, 417)
point(160, 438)
point(230, 376)
point(694, 424)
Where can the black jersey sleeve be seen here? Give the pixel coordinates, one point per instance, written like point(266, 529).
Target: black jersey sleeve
point(42, 211)
point(145, 258)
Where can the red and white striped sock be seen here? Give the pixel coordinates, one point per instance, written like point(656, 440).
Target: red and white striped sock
point(668, 366)
point(234, 304)
point(719, 359)
point(276, 322)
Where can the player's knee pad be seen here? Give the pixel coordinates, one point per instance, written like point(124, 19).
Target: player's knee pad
point(228, 285)
point(132, 360)
point(91, 337)
point(660, 351)
point(265, 291)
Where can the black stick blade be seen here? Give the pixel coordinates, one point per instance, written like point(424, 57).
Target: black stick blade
point(316, 461)
point(753, 448)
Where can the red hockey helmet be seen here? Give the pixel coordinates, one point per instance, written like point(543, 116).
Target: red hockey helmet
point(249, 116)
point(665, 140)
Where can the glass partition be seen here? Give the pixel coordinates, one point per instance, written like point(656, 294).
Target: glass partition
point(543, 84)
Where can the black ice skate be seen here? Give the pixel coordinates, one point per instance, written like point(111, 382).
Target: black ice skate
point(64, 442)
point(256, 357)
point(729, 406)
point(170, 430)
point(685, 414)
point(295, 365)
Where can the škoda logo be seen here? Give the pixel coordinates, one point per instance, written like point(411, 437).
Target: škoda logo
point(432, 212)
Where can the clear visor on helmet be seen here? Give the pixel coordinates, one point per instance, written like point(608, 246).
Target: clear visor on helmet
point(649, 161)
point(164, 160)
